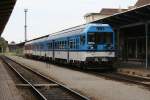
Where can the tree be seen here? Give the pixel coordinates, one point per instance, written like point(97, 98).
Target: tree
point(3, 44)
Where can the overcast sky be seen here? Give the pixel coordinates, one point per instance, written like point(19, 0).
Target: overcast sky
point(48, 16)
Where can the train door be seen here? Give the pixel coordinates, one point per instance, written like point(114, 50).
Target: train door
point(53, 51)
point(68, 46)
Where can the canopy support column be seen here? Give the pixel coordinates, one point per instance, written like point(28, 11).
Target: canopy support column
point(118, 41)
point(146, 38)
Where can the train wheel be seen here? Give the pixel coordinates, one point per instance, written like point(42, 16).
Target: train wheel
point(83, 67)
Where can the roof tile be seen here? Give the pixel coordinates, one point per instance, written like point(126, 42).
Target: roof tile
point(142, 2)
point(110, 11)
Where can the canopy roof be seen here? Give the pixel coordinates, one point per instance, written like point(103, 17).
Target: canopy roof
point(129, 17)
point(6, 7)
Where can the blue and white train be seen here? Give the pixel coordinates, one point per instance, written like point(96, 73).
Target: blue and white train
point(89, 44)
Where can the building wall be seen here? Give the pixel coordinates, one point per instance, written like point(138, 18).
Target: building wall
point(92, 18)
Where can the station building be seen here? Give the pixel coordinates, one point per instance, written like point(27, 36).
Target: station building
point(133, 33)
point(105, 12)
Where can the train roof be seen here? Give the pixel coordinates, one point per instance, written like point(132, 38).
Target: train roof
point(40, 39)
point(77, 30)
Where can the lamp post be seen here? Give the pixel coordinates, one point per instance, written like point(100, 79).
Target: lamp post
point(25, 26)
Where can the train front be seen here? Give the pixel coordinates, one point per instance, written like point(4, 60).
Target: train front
point(100, 45)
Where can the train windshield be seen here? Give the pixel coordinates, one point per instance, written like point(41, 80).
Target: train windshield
point(100, 38)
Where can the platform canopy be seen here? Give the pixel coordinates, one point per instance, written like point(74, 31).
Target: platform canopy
point(6, 7)
point(128, 18)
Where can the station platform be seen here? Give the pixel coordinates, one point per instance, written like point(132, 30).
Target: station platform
point(134, 69)
point(8, 90)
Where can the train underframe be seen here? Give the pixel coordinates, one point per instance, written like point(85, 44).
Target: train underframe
point(89, 63)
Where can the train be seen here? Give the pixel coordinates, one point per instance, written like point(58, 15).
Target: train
point(86, 46)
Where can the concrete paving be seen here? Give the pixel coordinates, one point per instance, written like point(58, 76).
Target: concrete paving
point(8, 90)
point(96, 88)
point(139, 72)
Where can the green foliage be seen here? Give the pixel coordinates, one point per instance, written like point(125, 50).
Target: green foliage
point(3, 44)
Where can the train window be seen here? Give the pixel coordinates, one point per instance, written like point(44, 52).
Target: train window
point(96, 38)
point(59, 45)
point(74, 44)
point(70, 44)
point(91, 38)
point(49, 45)
point(36, 47)
point(41, 46)
point(52, 45)
point(77, 43)
point(66, 44)
point(82, 39)
point(63, 44)
point(55, 45)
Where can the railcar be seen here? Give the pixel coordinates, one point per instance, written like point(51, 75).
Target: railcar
point(36, 48)
point(89, 44)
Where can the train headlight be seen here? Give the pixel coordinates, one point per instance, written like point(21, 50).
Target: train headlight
point(96, 59)
point(91, 47)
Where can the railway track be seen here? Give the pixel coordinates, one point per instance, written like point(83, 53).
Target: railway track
point(124, 78)
point(43, 87)
point(113, 75)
